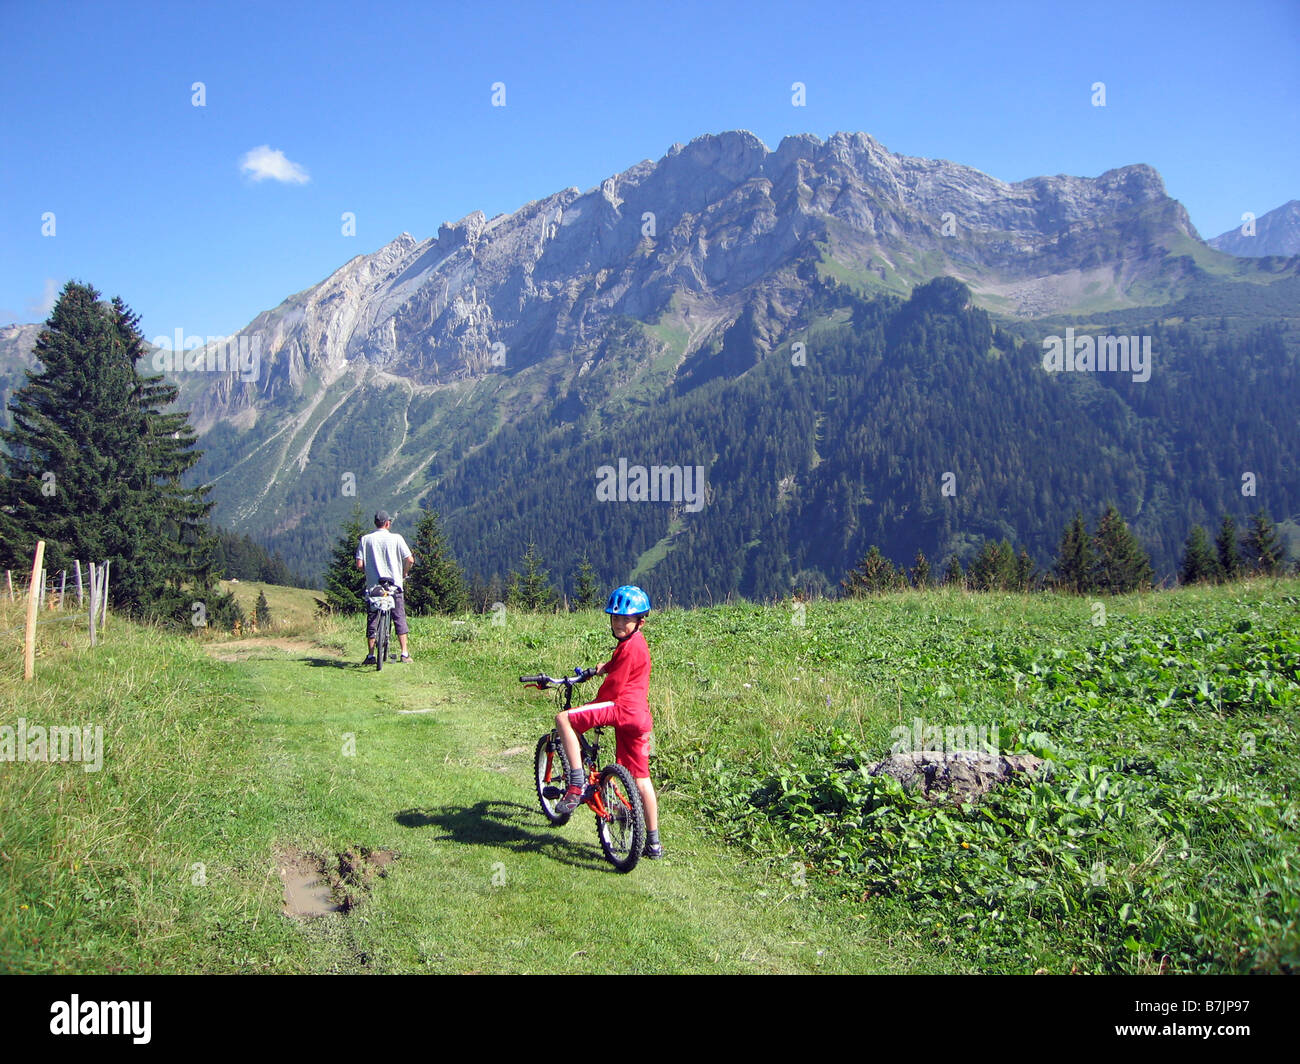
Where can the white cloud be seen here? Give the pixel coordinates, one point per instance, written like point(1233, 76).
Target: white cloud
point(39, 309)
point(263, 162)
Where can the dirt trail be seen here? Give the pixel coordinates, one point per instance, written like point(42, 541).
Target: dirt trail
point(240, 649)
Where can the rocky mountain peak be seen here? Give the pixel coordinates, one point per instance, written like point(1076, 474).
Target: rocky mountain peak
point(1274, 233)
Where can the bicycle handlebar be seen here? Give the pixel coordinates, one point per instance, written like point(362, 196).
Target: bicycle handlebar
point(541, 681)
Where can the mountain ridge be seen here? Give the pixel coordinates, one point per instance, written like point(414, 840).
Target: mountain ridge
point(587, 309)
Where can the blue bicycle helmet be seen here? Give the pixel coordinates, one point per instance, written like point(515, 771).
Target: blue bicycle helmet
point(628, 601)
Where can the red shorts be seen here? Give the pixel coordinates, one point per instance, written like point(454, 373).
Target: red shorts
point(631, 732)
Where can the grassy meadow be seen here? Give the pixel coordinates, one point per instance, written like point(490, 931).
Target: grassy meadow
point(1164, 837)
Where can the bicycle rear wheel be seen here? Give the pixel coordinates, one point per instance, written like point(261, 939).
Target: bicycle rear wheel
point(381, 640)
point(551, 775)
point(622, 830)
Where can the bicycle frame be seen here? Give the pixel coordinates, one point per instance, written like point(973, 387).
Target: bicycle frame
point(588, 749)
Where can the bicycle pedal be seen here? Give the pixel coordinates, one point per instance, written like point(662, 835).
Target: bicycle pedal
point(552, 792)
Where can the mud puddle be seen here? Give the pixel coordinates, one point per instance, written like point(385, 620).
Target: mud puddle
point(316, 884)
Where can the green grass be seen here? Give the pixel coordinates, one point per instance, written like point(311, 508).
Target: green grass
point(293, 609)
point(165, 859)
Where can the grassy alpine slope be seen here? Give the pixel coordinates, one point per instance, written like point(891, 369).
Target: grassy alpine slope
point(1166, 836)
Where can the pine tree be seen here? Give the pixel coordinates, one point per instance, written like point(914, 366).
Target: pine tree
point(531, 589)
point(1228, 549)
point(874, 574)
point(953, 576)
point(262, 611)
point(921, 570)
point(994, 568)
point(95, 465)
point(1074, 565)
point(345, 584)
point(1200, 565)
point(436, 583)
point(1263, 548)
point(1025, 570)
point(1120, 564)
point(587, 590)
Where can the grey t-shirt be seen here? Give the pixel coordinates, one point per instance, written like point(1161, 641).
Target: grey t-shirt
point(384, 552)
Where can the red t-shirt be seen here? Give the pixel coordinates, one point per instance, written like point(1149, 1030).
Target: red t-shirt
point(627, 684)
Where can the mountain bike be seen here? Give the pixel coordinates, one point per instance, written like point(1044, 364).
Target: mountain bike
point(611, 792)
point(380, 597)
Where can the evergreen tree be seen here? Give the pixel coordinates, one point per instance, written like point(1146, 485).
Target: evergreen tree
point(953, 576)
point(436, 583)
point(1024, 570)
point(1074, 565)
point(921, 570)
point(1200, 564)
point(345, 584)
point(262, 611)
point(95, 465)
point(874, 574)
point(994, 568)
point(1120, 564)
point(587, 593)
point(1228, 549)
point(477, 591)
point(1263, 548)
point(531, 589)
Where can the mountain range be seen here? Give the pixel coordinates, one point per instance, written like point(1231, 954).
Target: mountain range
point(663, 320)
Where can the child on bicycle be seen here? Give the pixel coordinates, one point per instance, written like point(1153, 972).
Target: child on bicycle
point(623, 702)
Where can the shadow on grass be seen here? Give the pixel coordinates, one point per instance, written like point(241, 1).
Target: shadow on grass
point(508, 826)
point(333, 663)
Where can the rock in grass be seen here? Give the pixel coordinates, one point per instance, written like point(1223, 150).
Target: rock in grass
point(962, 774)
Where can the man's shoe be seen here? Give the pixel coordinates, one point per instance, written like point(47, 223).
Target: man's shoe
point(370, 660)
point(406, 658)
point(653, 851)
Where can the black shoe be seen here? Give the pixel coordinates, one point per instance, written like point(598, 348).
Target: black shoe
point(653, 850)
point(370, 660)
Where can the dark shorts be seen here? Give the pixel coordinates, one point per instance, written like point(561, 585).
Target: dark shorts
point(399, 617)
point(631, 732)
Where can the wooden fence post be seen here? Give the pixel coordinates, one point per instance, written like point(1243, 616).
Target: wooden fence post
point(9, 583)
point(29, 638)
point(63, 588)
point(77, 567)
point(93, 604)
point(103, 598)
point(40, 601)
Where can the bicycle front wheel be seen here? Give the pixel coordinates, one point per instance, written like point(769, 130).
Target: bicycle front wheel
point(622, 829)
point(552, 776)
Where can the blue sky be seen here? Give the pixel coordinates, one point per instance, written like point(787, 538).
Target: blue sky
point(387, 113)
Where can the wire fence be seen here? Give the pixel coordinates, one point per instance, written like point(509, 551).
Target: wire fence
point(44, 593)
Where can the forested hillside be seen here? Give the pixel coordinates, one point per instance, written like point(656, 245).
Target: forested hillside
point(807, 465)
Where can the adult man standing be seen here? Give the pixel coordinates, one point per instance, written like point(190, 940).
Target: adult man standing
point(385, 557)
